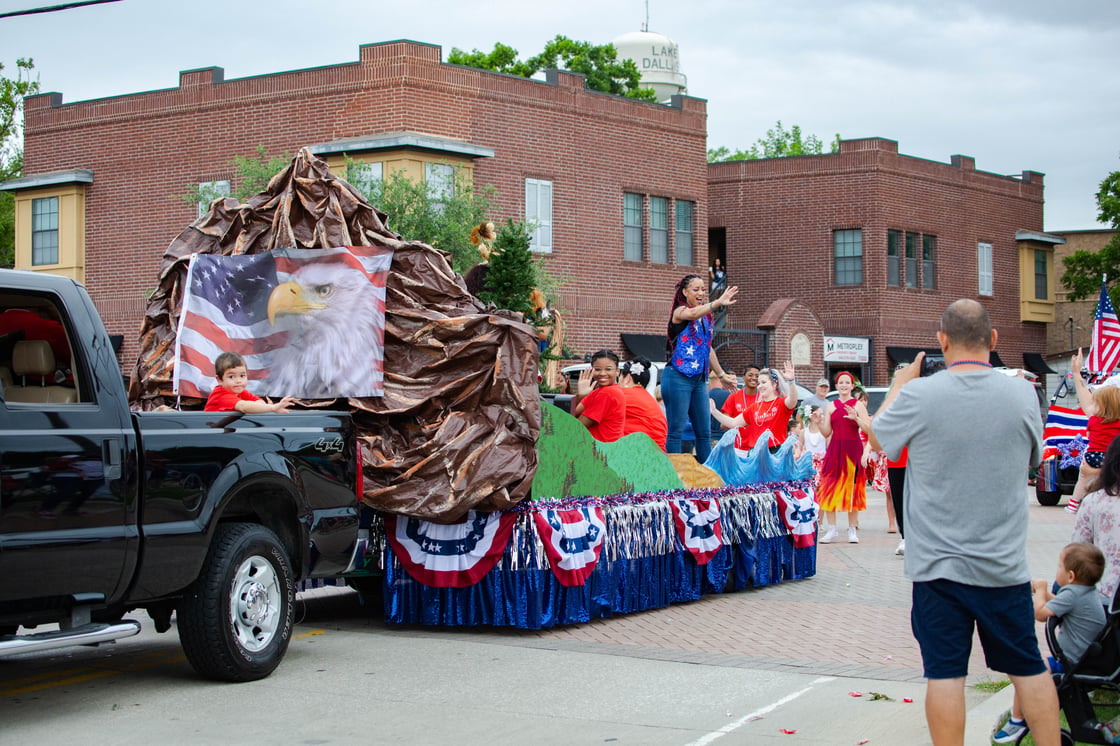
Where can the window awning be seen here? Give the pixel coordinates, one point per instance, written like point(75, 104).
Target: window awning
point(1035, 363)
point(651, 346)
point(902, 355)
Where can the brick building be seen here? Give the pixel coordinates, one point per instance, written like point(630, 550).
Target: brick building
point(104, 175)
point(1073, 321)
point(822, 246)
point(864, 249)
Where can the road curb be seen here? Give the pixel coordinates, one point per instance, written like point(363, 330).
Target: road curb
point(982, 718)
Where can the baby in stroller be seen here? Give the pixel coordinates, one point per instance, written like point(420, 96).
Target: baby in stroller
point(1075, 610)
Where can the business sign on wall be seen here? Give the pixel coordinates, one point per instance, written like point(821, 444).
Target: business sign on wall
point(846, 349)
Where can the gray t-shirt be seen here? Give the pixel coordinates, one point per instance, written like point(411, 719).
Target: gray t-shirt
point(971, 437)
point(1082, 618)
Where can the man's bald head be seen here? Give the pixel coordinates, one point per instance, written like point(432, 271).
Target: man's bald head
point(966, 324)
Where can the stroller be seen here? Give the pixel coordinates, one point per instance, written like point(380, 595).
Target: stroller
point(1099, 668)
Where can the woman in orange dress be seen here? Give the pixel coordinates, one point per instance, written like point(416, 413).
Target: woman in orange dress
point(843, 480)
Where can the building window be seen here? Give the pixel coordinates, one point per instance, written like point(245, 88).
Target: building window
point(364, 176)
point(538, 214)
point(929, 249)
point(685, 211)
point(894, 241)
point(659, 230)
point(984, 266)
point(44, 231)
point(208, 191)
point(1041, 286)
point(632, 227)
point(847, 252)
point(911, 260)
point(440, 178)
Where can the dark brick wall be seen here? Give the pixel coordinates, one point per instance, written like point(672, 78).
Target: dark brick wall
point(147, 148)
point(779, 216)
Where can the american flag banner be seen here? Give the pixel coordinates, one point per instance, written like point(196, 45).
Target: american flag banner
point(310, 323)
point(1106, 336)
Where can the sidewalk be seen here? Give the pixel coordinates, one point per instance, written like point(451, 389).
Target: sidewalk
point(851, 621)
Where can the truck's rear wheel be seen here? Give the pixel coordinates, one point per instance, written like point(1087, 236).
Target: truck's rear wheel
point(235, 621)
point(1046, 497)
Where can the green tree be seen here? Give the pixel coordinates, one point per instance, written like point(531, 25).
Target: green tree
point(1083, 269)
point(778, 143)
point(512, 274)
point(443, 220)
point(12, 93)
point(598, 63)
point(253, 174)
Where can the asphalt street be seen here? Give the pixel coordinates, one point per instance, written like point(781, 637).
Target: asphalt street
point(826, 660)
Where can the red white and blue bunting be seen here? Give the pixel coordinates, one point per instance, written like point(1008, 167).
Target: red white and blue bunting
point(698, 527)
point(453, 555)
point(572, 541)
point(571, 560)
point(798, 509)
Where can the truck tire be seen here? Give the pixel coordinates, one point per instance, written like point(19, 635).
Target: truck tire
point(1047, 498)
point(235, 621)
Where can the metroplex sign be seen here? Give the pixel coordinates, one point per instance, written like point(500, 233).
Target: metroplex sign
point(847, 349)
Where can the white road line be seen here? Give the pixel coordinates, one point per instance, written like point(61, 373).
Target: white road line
point(730, 727)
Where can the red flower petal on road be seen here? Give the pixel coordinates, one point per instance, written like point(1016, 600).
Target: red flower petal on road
point(907, 699)
point(855, 694)
point(787, 731)
point(866, 740)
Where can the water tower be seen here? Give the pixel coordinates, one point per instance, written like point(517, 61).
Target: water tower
point(658, 60)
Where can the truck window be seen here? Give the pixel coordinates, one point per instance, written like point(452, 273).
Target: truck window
point(37, 359)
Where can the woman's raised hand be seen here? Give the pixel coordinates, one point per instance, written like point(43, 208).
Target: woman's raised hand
point(585, 385)
point(727, 297)
point(788, 372)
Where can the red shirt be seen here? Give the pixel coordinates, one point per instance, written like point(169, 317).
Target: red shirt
point(1101, 433)
point(738, 403)
point(764, 418)
point(607, 408)
point(643, 415)
point(222, 399)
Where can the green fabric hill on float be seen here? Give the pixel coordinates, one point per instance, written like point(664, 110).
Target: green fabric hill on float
point(573, 464)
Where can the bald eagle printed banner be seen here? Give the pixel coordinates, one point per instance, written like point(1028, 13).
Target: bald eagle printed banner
point(310, 323)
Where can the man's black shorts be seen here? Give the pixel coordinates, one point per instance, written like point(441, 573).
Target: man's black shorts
point(945, 613)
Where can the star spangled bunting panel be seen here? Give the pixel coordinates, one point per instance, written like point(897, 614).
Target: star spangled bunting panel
point(454, 555)
point(698, 526)
point(799, 513)
point(310, 323)
point(573, 540)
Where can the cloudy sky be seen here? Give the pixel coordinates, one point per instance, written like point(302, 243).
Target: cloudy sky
point(1017, 84)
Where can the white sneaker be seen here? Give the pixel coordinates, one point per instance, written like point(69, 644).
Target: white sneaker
point(829, 535)
point(900, 550)
point(852, 538)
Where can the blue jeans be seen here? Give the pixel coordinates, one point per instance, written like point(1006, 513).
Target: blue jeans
point(686, 397)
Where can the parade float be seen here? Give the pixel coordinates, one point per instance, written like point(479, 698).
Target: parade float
point(483, 504)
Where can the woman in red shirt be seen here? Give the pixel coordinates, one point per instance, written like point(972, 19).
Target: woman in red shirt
point(643, 414)
point(599, 402)
point(767, 415)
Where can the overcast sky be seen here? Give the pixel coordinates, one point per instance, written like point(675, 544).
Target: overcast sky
point(1018, 85)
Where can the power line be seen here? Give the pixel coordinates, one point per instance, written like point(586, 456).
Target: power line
point(53, 8)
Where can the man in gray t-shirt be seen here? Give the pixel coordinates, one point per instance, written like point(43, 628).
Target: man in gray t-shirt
point(971, 433)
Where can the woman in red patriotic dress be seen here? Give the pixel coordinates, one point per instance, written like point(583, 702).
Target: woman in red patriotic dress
point(843, 480)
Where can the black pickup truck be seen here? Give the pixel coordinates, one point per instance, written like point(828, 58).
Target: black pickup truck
point(213, 516)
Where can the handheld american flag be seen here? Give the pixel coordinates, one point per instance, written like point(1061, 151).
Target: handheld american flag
point(1106, 336)
point(310, 323)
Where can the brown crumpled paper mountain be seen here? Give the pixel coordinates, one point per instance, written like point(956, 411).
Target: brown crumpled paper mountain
point(457, 427)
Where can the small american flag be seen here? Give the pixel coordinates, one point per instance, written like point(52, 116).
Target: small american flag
point(1106, 336)
point(226, 307)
